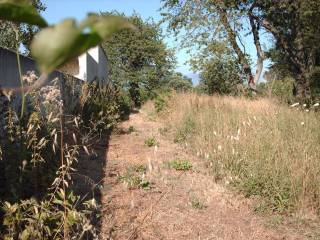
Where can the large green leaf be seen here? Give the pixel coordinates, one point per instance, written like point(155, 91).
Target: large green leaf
point(105, 26)
point(20, 11)
point(54, 46)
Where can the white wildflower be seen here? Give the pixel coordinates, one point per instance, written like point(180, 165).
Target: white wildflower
point(302, 123)
point(74, 138)
point(295, 104)
point(86, 150)
point(316, 105)
point(219, 147)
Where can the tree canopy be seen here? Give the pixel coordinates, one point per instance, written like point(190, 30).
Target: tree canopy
point(138, 60)
point(291, 23)
point(25, 32)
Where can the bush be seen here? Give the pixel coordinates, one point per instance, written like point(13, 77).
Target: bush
point(161, 101)
point(101, 108)
point(31, 219)
point(31, 164)
point(280, 89)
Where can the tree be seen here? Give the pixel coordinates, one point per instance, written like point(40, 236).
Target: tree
point(16, 34)
point(138, 59)
point(220, 71)
point(211, 20)
point(290, 22)
point(297, 37)
point(179, 82)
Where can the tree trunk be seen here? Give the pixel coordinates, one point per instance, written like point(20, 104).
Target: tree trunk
point(301, 87)
point(260, 53)
point(299, 67)
point(233, 40)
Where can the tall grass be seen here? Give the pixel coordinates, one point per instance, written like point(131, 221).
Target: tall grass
point(266, 149)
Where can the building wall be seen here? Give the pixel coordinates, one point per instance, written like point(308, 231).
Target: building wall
point(92, 68)
point(98, 68)
point(82, 67)
point(9, 78)
point(9, 74)
point(88, 67)
point(103, 66)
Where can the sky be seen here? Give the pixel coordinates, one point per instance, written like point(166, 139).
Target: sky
point(57, 10)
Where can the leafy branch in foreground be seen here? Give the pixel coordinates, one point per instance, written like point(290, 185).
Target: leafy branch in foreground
point(61, 42)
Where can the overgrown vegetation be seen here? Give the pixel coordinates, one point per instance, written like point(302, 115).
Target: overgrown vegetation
point(265, 149)
point(40, 144)
point(262, 147)
point(37, 189)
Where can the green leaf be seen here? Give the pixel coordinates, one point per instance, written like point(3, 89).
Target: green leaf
point(54, 46)
point(105, 26)
point(25, 234)
point(20, 11)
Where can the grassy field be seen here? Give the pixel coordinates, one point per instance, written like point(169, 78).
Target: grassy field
point(265, 149)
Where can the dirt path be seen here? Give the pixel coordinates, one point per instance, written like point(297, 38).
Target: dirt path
point(178, 205)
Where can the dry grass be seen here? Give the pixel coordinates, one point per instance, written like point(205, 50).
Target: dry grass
point(264, 148)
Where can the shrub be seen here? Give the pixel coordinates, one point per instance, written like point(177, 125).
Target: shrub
point(101, 109)
point(31, 219)
point(161, 101)
point(280, 89)
point(31, 164)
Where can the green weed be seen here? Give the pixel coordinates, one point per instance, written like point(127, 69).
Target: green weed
point(132, 129)
point(197, 204)
point(133, 178)
point(151, 142)
point(163, 131)
point(180, 165)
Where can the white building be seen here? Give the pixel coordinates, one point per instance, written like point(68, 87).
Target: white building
point(92, 65)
